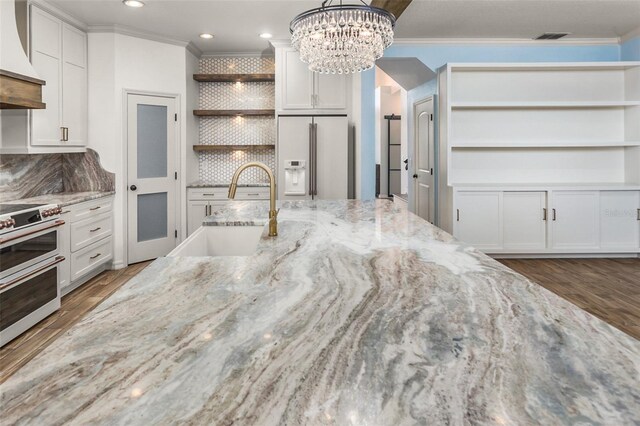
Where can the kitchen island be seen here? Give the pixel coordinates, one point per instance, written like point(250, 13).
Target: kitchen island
point(357, 313)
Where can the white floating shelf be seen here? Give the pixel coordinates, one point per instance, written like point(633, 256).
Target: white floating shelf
point(543, 144)
point(534, 105)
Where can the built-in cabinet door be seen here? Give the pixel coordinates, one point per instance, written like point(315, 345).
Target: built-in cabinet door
point(74, 85)
point(330, 91)
point(46, 57)
point(575, 220)
point(524, 220)
point(196, 212)
point(619, 220)
point(297, 82)
point(332, 169)
point(478, 218)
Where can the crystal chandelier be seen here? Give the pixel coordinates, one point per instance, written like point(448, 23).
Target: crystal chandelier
point(342, 39)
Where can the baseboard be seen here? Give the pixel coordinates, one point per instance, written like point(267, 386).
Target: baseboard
point(117, 265)
point(564, 255)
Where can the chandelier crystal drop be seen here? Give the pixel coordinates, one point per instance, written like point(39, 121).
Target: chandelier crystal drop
point(342, 39)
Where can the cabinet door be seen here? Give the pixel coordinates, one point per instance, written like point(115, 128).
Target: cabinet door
point(330, 91)
point(332, 163)
point(619, 220)
point(46, 57)
point(524, 220)
point(575, 220)
point(74, 85)
point(196, 212)
point(297, 82)
point(478, 219)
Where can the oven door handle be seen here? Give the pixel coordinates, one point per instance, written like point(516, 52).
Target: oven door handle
point(55, 261)
point(32, 231)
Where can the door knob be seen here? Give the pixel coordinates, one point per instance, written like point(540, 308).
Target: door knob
point(133, 187)
point(415, 176)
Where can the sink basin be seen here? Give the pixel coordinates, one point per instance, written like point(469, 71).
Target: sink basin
point(220, 241)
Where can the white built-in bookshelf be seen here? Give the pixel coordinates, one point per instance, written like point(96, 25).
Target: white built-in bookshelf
point(542, 123)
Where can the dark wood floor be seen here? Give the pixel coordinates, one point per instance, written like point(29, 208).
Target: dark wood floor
point(606, 288)
point(74, 307)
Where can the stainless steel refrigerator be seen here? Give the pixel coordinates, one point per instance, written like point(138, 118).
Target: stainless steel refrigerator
point(314, 158)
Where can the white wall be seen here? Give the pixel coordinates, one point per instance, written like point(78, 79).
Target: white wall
point(119, 63)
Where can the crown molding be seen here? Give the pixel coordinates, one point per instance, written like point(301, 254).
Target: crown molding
point(280, 43)
point(631, 34)
point(574, 41)
point(194, 50)
point(134, 32)
point(58, 13)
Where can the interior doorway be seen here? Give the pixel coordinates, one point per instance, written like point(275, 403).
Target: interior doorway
point(152, 135)
point(424, 159)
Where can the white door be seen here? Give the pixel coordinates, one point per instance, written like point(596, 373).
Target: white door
point(294, 138)
point(297, 83)
point(74, 85)
point(331, 158)
point(152, 184)
point(478, 219)
point(46, 57)
point(423, 175)
point(619, 220)
point(330, 91)
point(575, 220)
point(524, 220)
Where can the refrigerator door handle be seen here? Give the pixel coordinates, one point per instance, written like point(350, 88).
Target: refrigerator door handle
point(315, 159)
point(311, 159)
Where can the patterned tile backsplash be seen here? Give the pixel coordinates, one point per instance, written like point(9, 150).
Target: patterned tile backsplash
point(218, 166)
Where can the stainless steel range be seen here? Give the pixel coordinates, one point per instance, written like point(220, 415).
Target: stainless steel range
point(29, 248)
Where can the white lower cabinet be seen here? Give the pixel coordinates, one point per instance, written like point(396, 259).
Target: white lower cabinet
point(478, 218)
point(575, 220)
point(524, 216)
point(203, 202)
point(620, 220)
point(85, 241)
point(562, 222)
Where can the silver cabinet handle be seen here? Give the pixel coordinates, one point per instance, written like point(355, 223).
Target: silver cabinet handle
point(554, 214)
point(253, 195)
point(65, 212)
point(544, 214)
point(205, 210)
point(208, 195)
point(458, 215)
point(95, 208)
point(96, 256)
point(94, 230)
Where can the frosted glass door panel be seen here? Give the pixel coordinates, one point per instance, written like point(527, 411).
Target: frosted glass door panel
point(152, 216)
point(152, 141)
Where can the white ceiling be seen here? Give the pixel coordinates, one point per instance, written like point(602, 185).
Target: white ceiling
point(236, 24)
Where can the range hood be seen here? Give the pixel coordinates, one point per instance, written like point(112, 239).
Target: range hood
point(20, 86)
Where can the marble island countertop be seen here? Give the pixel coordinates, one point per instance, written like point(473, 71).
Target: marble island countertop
point(357, 313)
point(63, 198)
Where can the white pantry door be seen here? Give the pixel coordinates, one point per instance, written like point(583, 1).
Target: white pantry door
point(423, 177)
point(151, 135)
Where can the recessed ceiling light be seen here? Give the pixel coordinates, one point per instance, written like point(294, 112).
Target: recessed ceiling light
point(133, 3)
point(206, 35)
point(266, 35)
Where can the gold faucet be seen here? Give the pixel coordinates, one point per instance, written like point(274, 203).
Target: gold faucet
point(273, 213)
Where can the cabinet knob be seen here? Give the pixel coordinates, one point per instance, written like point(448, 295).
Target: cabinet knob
point(133, 187)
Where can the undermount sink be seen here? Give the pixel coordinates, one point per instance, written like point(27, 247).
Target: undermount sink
point(220, 241)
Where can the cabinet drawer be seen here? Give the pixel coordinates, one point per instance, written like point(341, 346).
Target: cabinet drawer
point(208, 194)
point(90, 230)
point(252, 194)
point(88, 209)
point(89, 258)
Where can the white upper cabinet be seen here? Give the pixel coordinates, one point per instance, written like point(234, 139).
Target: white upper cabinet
point(59, 55)
point(300, 89)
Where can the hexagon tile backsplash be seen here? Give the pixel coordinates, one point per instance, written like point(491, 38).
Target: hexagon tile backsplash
point(218, 166)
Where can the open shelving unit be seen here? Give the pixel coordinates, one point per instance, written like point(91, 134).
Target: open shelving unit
point(541, 123)
point(234, 78)
point(234, 112)
point(203, 148)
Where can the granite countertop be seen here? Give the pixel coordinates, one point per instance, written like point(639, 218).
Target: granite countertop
point(63, 198)
point(209, 184)
point(357, 313)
